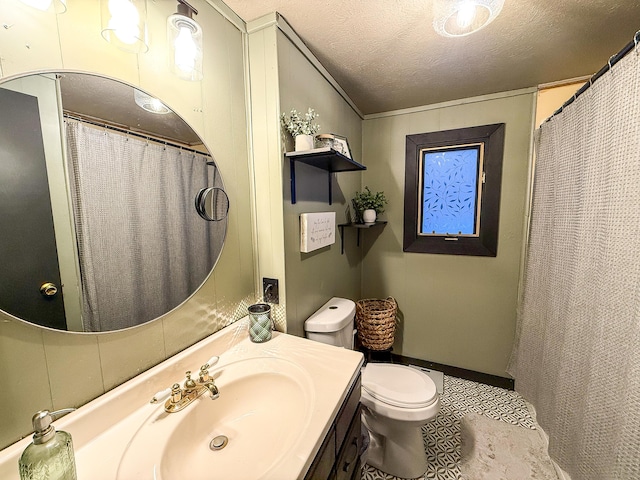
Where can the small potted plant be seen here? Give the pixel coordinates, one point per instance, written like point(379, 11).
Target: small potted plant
point(368, 205)
point(301, 128)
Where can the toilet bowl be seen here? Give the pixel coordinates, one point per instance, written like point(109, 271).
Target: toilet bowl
point(397, 400)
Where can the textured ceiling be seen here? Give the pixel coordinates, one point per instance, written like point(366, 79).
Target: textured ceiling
point(106, 100)
point(386, 55)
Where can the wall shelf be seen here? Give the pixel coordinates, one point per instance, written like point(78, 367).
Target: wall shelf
point(358, 227)
point(324, 158)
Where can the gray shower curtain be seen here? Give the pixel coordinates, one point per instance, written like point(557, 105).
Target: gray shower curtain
point(577, 353)
point(142, 247)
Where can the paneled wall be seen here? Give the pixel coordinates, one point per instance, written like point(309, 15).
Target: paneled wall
point(285, 76)
point(455, 310)
point(315, 277)
point(43, 369)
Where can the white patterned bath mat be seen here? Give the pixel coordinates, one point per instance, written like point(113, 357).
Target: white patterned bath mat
point(494, 450)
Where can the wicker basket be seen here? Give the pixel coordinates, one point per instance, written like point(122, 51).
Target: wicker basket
point(376, 322)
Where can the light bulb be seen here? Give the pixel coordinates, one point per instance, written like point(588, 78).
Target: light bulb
point(156, 105)
point(184, 36)
point(124, 24)
point(124, 21)
point(457, 18)
point(186, 50)
point(149, 103)
point(466, 14)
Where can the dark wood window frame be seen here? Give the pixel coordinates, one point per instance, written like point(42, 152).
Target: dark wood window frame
point(486, 243)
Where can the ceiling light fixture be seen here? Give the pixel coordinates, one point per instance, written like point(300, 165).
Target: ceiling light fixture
point(457, 18)
point(60, 6)
point(149, 103)
point(124, 24)
point(184, 37)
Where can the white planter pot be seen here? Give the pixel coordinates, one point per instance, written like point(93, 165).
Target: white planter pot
point(304, 142)
point(369, 216)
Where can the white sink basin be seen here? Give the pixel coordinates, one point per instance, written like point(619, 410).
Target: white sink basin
point(265, 406)
point(277, 402)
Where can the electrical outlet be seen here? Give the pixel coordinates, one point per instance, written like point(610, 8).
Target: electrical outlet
point(270, 290)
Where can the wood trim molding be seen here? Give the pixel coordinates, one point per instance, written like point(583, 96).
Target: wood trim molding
point(486, 241)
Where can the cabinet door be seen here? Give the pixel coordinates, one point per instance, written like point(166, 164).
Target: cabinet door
point(346, 414)
point(343, 442)
point(322, 466)
point(348, 462)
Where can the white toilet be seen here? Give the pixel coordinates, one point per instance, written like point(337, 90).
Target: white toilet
point(398, 400)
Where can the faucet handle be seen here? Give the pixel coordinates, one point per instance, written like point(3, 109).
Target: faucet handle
point(211, 362)
point(161, 395)
point(203, 375)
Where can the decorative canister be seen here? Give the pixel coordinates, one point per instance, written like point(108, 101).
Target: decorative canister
point(260, 322)
point(328, 140)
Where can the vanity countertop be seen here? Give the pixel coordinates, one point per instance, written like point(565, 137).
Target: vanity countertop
point(103, 428)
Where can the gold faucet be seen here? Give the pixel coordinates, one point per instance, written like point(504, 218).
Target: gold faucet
point(181, 397)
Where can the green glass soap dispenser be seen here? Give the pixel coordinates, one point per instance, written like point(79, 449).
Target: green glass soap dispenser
point(50, 456)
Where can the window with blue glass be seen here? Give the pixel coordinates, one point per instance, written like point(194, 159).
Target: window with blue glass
point(451, 190)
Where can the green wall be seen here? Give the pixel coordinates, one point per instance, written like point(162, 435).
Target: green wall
point(455, 310)
point(285, 75)
point(45, 369)
point(313, 278)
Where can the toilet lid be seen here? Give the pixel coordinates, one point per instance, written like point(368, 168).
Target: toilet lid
point(398, 385)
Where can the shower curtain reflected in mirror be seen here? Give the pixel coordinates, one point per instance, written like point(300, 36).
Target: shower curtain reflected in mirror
point(142, 247)
point(577, 354)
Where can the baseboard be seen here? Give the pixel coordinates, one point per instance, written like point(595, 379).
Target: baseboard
point(493, 380)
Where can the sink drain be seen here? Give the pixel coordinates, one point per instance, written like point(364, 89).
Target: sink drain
point(218, 443)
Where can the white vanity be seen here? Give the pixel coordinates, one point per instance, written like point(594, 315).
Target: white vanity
point(280, 404)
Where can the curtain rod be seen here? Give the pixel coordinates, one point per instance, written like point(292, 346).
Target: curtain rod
point(135, 134)
point(612, 61)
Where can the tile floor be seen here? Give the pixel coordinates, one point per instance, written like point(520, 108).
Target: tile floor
point(442, 434)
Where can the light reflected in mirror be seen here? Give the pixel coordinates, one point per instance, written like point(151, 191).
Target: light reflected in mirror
point(97, 210)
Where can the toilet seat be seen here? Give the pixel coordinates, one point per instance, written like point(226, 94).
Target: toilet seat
point(398, 385)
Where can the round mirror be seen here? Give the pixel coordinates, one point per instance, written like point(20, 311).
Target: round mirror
point(97, 188)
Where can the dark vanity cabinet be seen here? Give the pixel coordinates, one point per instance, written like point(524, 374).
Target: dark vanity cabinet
point(339, 455)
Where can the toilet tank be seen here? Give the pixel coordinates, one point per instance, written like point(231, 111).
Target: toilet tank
point(333, 323)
